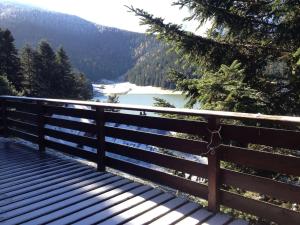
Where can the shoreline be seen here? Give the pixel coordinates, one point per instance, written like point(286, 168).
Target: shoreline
point(127, 88)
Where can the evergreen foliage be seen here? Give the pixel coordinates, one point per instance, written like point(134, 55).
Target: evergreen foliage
point(9, 60)
point(249, 60)
point(6, 87)
point(99, 52)
point(31, 71)
point(154, 61)
point(113, 99)
point(40, 72)
point(49, 74)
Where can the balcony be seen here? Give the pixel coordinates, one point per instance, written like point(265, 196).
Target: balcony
point(185, 154)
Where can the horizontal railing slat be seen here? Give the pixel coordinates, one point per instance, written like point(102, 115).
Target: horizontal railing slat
point(22, 106)
point(263, 136)
point(276, 189)
point(72, 112)
point(23, 115)
point(81, 140)
point(261, 160)
point(26, 127)
point(71, 150)
point(259, 208)
point(160, 123)
point(73, 125)
point(168, 142)
point(26, 117)
point(23, 135)
point(178, 183)
point(179, 111)
point(182, 165)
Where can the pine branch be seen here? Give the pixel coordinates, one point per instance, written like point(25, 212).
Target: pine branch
point(215, 52)
point(233, 19)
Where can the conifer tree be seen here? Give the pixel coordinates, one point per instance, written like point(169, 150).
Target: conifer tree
point(252, 46)
point(6, 87)
point(83, 88)
point(65, 76)
point(39, 73)
point(9, 60)
point(49, 74)
point(31, 70)
point(50, 79)
point(71, 84)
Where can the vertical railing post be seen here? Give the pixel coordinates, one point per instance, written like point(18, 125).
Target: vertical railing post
point(214, 141)
point(4, 117)
point(41, 124)
point(100, 125)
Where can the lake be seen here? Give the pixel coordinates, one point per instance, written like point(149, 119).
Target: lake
point(147, 99)
point(133, 94)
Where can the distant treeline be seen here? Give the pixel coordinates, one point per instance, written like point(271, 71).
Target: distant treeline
point(40, 72)
point(154, 64)
point(100, 52)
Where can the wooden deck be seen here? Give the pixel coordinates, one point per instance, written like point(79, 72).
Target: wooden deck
point(41, 188)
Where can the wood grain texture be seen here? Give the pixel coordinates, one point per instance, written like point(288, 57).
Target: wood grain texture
point(49, 189)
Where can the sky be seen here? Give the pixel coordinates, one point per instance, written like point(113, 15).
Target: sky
point(113, 13)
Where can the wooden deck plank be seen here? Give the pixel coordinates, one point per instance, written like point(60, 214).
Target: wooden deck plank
point(158, 211)
point(21, 163)
point(25, 170)
point(195, 218)
point(40, 188)
point(43, 207)
point(239, 222)
point(138, 210)
point(82, 214)
point(47, 192)
point(58, 217)
point(29, 192)
point(16, 189)
point(176, 215)
point(102, 216)
point(218, 219)
point(56, 211)
point(37, 178)
point(38, 170)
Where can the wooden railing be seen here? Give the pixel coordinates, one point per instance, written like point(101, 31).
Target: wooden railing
point(176, 160)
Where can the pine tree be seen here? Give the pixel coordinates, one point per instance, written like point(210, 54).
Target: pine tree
point(50, 80)
point(39, 73)
point(65, 76)
point(49, 74)
point(83, 88)
point(113, 98)
point(9, 60)
point(6, 87)
point(259, 34)
point(30, 66)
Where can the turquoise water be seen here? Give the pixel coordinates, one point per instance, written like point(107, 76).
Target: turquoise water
point(148, 99)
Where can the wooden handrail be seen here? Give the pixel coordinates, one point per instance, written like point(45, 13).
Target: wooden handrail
point(30, 118)
point(180, 111)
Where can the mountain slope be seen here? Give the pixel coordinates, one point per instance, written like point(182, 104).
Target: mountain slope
point(98, 51)
point(153, 65)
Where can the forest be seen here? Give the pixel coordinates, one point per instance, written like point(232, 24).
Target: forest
point(249, 61)
point(40, 72)
point(99, 52)
point(154, 62)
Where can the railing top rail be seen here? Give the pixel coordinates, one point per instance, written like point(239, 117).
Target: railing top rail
point(179, 111)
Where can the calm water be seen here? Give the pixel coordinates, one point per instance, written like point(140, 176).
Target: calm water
point(148, 99)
